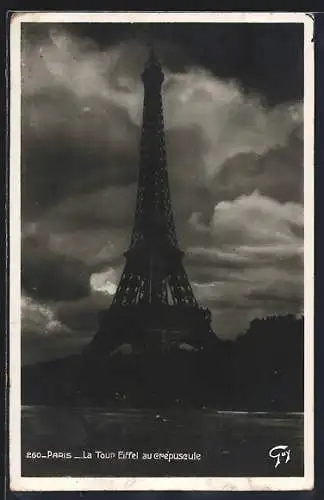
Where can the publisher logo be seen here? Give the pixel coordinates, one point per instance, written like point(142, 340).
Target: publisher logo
point(280, 453)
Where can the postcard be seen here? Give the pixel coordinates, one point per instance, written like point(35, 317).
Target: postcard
point(161, 251)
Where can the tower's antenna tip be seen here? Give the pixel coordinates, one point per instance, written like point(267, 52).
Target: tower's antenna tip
point(148, 40)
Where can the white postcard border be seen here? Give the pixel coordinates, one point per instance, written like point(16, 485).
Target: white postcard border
point(19, 483)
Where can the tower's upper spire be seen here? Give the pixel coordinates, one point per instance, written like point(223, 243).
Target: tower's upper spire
point(153, 68)
point(152, 58)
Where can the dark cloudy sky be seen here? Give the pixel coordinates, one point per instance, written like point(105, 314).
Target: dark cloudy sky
point(233, 106)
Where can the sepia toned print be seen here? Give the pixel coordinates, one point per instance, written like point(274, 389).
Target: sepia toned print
point(165, 322)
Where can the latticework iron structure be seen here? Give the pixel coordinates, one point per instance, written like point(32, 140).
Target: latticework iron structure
point(154, 303)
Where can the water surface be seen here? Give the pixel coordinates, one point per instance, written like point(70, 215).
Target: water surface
point(230, 443)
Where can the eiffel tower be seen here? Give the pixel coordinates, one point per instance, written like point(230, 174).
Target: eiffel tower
point(154, 306)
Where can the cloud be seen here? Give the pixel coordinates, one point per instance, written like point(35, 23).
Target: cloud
point(105, 282)
point(57, 329)
point(44, 336)
point(232, 123)
point(51, 276)
point(76, 121)
point(277, 174)
point(83, 314)
point(252, 260)
point(110, 207)
point(96, 248)
point(257, 218)
point(82, 110)
point(38, 318)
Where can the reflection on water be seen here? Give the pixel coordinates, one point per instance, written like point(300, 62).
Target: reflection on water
point(230, 443)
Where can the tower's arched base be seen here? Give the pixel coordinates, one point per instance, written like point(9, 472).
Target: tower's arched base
point(153, 329)
point(150, 356)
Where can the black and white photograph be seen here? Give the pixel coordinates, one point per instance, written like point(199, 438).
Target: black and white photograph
point(161, 260)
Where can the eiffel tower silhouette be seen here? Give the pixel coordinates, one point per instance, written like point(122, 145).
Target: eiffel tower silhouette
point(154, 306)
